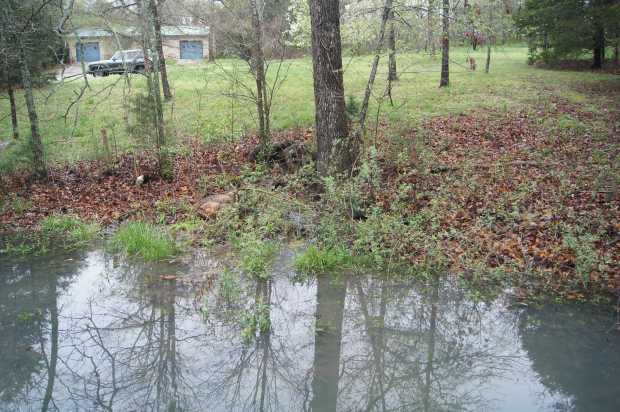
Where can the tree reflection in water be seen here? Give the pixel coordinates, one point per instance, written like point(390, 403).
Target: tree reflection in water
point(29, 329)
point(120, 337)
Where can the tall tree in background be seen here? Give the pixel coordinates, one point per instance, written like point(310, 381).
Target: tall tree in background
point(28, 39)
point(558, 29)
point(155, 6)
point(258, 66)
point(392, 72)
point(445, 45)
point(430, 41)
point(385, 17)
point(336, 149)
point(9, 80)
point(147, 21)
point(490, 35)
point(211, 39)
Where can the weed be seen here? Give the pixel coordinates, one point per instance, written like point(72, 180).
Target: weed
point(32, 246)
point(70, 230)
point(315, 261)
point(586, 257)
point(151, 243)
point(190, 225)
point(211, 184)
point(255, 255)
point(19, 205)
point(229, 288)
point(255, 321)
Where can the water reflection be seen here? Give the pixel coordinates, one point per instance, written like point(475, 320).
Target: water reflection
point(90, 332)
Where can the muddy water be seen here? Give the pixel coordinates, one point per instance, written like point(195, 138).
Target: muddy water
point(91, 332)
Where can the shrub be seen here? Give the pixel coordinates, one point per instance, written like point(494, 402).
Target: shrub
point(150, 242)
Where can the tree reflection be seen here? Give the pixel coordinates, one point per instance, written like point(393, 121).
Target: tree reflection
point(574, 354)
point(29, 321)
point(425, 348)
point(131, 353)
point(135, 340)
point(330, 297)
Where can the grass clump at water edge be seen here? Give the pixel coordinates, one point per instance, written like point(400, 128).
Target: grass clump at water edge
point(150, 242)
point(318, 261)
point(73, 232)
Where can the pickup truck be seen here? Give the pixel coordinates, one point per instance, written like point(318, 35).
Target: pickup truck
point(123, 61)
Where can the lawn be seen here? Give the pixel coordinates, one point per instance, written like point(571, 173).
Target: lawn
point(202, 107)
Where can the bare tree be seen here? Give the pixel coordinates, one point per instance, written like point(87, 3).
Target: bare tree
point(392, 73)
point(387, 11)
point(40, 170)
point(490, 37)
point(430, 41)
point(155, 5)
point(14, 123)
point(258, 65)
point(445, 45)
point(336, 149)
point(153, 76)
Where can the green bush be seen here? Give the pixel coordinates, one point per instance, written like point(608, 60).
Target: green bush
point(150, 242)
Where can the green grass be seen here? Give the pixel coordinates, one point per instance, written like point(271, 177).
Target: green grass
point(70, 230)
point(144, 240)
point(319, 261)
point(201, 109)
point(56, 232)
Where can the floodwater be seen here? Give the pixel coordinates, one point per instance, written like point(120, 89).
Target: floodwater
point(91, 332)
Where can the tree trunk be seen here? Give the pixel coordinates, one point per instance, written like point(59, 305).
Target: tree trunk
point(487, 66)
point(445, 45)
point(490, 39)
point(259, 72)
point(153, 75)
point(336, 149)
point(40, 170)
point(430, 42)
point(599, 49)
point(53, 360)
point(160, 49)
point(387, 9)
point(430, 356)
point(14, 122)
point(330, 297)
point(211, 44)
point(392, 73)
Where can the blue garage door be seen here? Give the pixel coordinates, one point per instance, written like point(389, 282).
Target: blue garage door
point(191, 49)
point(87, 51)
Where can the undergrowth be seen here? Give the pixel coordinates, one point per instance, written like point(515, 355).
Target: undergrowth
point(145, 240)
point(56, 232)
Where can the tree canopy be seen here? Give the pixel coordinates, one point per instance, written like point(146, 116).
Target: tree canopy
point(568, 28)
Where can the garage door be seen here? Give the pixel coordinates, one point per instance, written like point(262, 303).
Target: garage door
point(87, 51)
point(191, 49)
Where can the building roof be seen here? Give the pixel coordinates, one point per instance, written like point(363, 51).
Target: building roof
point(184, 31)
point(167, 31)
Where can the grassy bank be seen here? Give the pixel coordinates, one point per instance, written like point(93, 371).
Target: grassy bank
point(505, 179)
point(201, 108)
